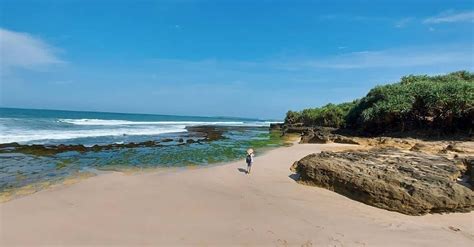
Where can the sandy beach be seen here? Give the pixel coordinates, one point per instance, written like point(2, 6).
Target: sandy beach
point(217, 206)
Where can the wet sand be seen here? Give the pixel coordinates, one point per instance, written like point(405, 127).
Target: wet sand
point(217, 206)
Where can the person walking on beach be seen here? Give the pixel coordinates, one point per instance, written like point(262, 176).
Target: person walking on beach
point(249, 159)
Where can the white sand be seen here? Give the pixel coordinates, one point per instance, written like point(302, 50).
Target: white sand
point(217, 206)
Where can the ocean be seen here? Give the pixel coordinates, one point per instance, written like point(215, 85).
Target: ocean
point(117, 141)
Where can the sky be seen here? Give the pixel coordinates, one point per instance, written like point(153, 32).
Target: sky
point(221, 58)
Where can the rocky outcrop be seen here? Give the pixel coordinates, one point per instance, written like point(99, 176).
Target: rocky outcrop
point(294, 129)
point(408, 182)
point(208, 133)
point(190, 141)
point(197, 134)
point(325, 135)
point(47, 150)
point(469, 174)
point(276, 126)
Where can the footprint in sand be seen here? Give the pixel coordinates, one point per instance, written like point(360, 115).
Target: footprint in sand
point(452, 228)
point(335, 242)
point(282, 242)
point(307, 244)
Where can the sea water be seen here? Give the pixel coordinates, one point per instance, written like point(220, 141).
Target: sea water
point(52, 127)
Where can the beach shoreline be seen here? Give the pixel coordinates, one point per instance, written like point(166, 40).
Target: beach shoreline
point(218, 205)
point(35, 187)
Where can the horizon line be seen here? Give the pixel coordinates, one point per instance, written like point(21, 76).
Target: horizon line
point(151, 114)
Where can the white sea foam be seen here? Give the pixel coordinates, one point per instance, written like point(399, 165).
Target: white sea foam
point(39, 135)
point(103, 122)
point(102, 128)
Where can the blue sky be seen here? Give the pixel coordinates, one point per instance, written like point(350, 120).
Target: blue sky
point(221, 58)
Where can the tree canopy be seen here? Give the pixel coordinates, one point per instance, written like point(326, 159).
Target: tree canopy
point(417, 101)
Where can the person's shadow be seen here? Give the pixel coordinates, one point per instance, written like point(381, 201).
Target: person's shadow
point(242, 170)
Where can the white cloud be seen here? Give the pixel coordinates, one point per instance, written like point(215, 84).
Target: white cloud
point(396, 58)
point(451, 16)
point(21, 50)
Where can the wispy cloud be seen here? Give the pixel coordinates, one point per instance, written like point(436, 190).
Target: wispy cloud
point(450, 17)
point(451, 55)
point(396, 58)
point(361, 18)
point(22, 50)
point(403, 22)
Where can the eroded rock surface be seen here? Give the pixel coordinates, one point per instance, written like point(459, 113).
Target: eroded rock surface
point(408, 182)
point(325, 135)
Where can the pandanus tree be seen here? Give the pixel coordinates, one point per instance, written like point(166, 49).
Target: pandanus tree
point(418, 101)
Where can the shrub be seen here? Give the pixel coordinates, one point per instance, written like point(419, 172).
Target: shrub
point(293, 117)
point(417, 101)
point(330, 115)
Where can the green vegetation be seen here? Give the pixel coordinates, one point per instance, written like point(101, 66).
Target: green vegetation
point(330, 115)
point(416, 102)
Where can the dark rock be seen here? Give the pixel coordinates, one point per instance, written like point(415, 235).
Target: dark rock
point(209, 133)
point(180, 140)
point(315, 138)
point(149, 143)
point(9, 145)
point(190, 141)
point(469, 164)
point(48, 150)
point(276, 126)
point(96, 148)
point(167, 140)
point(325, 135)
point(345, 140)
point(130, 145)
point(408, 182)
point(296, 128)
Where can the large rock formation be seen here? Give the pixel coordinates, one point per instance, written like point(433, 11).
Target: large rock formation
point(409, 182)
